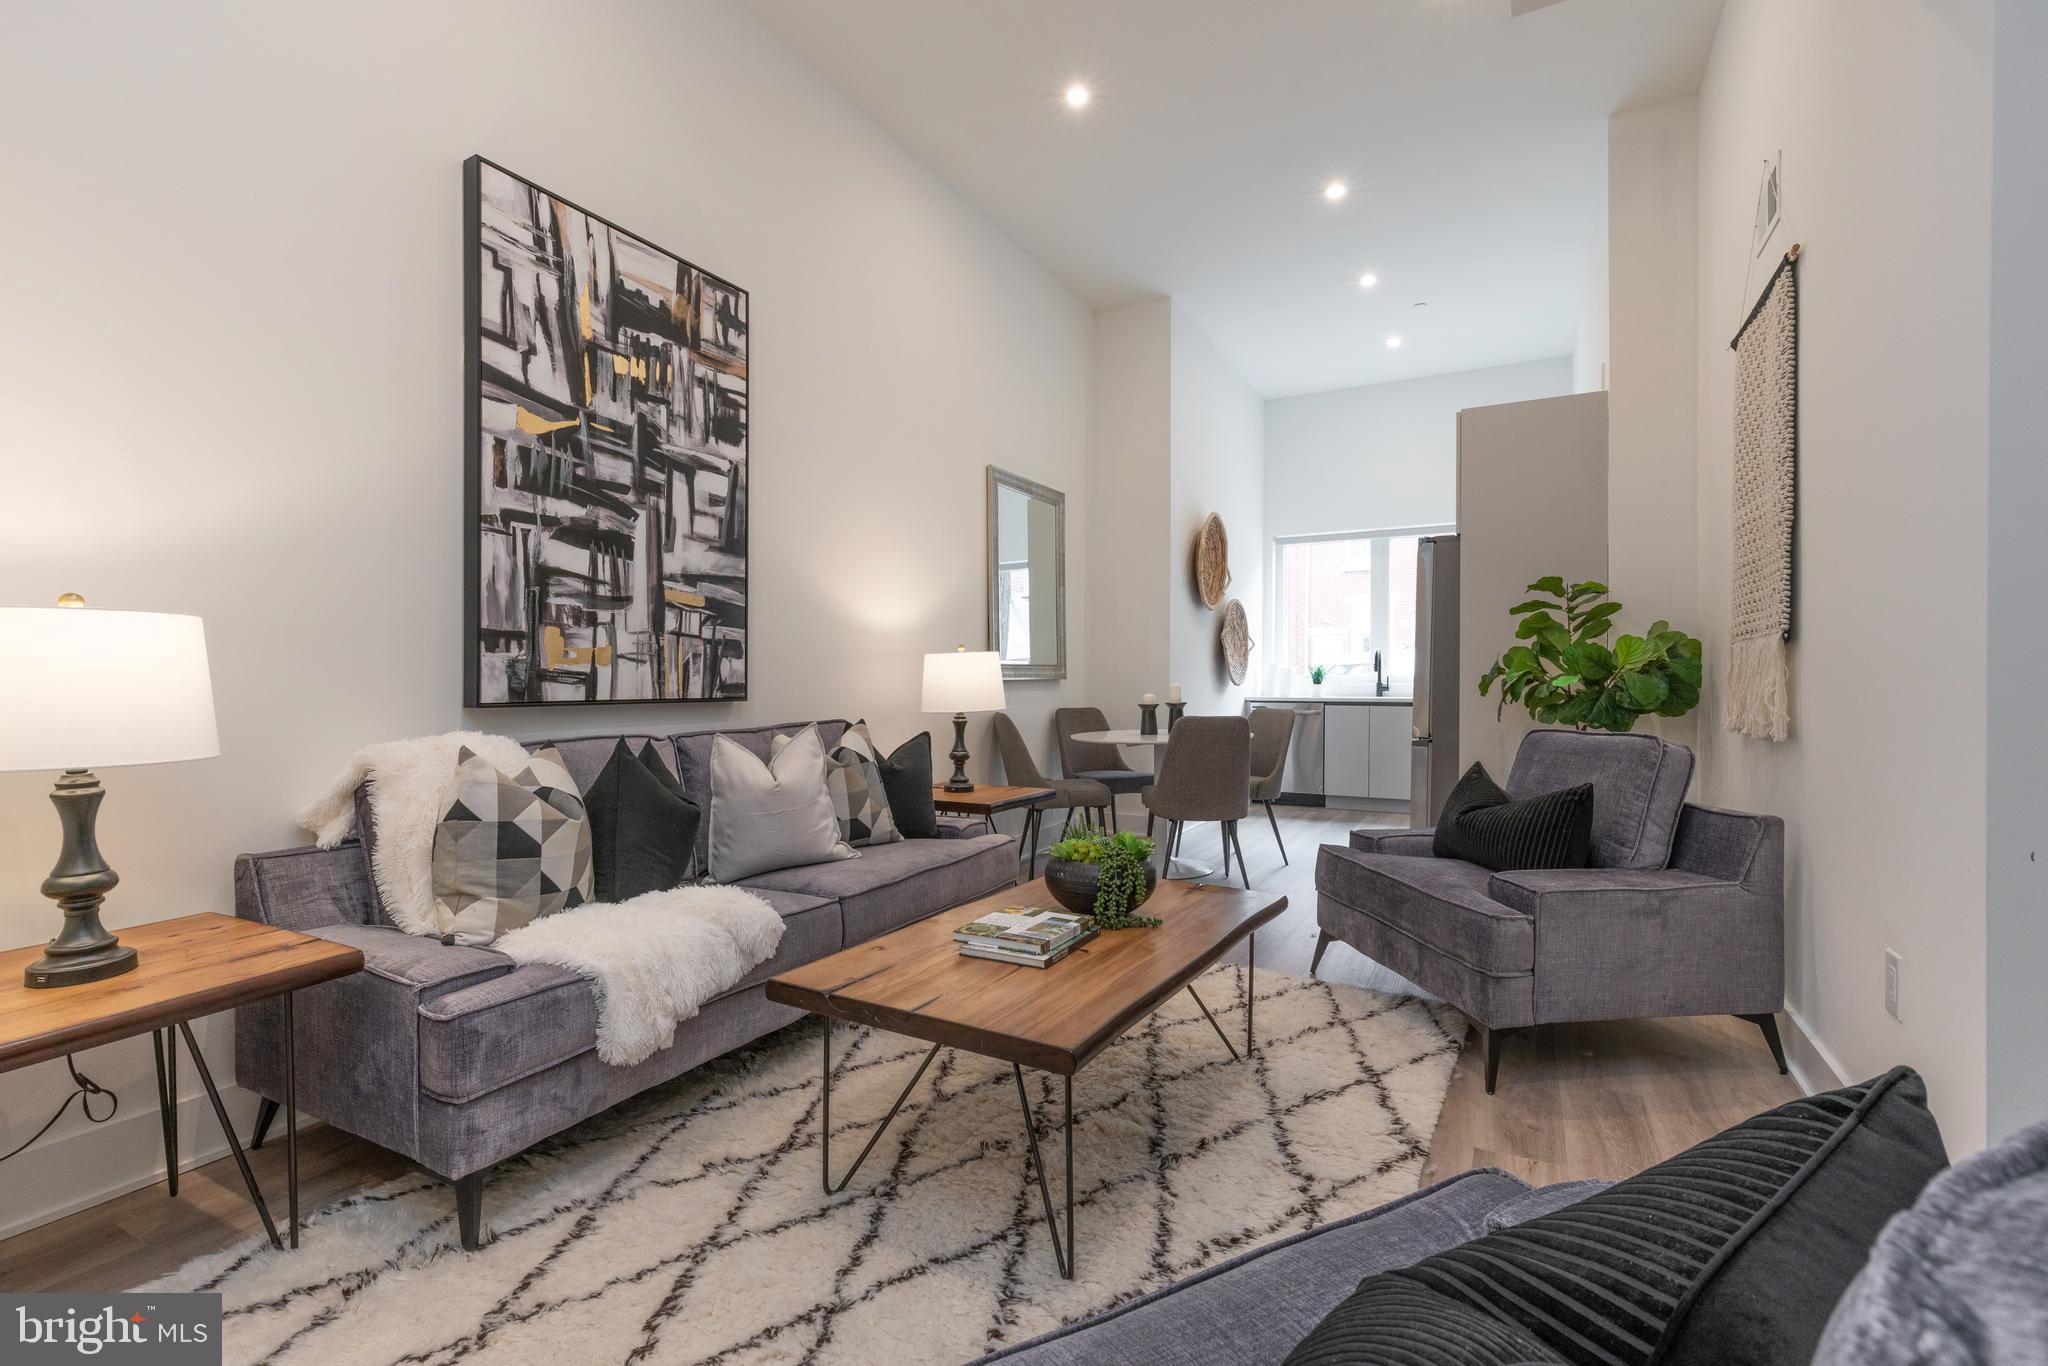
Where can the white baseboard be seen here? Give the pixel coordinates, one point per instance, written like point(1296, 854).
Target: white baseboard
point(57, 1177)
point(1812, 1064)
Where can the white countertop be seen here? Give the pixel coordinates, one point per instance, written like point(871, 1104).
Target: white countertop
point(1339, 699)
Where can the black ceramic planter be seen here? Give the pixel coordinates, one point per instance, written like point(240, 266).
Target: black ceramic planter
point(1074, 885)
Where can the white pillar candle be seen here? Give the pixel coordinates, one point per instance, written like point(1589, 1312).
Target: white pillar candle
point(1173, 692)
point(1148, 700)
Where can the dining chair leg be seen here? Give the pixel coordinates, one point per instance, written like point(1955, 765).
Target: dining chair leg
point(1149, 818)
point(1244, 871)
point(1223, 833)
point(1113, 826)
point(1276, 830)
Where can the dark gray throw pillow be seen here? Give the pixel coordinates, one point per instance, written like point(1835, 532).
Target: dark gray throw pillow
point(642, 828)
point(907, 779)
point(1734, 1252)
point(1480, 825)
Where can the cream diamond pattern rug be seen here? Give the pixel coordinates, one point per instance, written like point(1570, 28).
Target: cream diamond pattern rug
point(689, 1225)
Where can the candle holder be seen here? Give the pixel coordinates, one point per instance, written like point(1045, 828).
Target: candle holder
point(1174, 711)
point(1148, 718)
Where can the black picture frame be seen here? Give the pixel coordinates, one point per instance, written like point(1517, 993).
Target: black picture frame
point(652, 461)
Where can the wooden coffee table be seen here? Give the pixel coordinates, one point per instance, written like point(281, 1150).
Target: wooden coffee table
point(916, 982)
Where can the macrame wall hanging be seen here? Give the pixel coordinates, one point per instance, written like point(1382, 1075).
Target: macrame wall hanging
point(1757, 701)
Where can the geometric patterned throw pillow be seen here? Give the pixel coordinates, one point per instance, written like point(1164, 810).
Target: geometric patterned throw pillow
point(853, 775)
point(510, 848)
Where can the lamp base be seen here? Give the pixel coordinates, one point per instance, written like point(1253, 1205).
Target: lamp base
point(959, 782)
point(111, 961)
point(84, 950)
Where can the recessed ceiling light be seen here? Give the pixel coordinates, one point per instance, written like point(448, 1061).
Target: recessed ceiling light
point(1335, 190)
point(1393, 343)
point(1077, 96)
point(1368, 280)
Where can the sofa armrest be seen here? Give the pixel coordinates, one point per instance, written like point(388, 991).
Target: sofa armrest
point(1411, 843)
point(1535, 890)
point(960, 827)
point(1734, 845)
point(358, 1036)
point(305, 888)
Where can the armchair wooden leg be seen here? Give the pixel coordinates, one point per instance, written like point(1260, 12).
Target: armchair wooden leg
point(469, 1209)
point(1275, 820)
point(266, 1111)
point(1491, 1040)
point(1323, 941)
point(1769, 1025)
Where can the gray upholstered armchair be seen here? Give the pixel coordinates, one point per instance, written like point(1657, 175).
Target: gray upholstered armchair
point(1682, 912)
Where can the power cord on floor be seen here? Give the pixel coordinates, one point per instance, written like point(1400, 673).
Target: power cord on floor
point(87, 1089)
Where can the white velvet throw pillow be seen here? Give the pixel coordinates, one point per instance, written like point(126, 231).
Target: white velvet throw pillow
point(766, 816)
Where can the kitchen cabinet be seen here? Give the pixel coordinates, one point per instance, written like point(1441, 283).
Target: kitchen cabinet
point(1347, 751)
point(1391, 732)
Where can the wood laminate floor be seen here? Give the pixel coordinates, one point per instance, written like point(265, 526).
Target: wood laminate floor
point(1592, 1100)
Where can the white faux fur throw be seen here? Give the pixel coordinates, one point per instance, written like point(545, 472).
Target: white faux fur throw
point(653, 961)
point(411, 783)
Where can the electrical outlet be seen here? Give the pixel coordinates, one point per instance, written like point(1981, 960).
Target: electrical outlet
point(1891, 984)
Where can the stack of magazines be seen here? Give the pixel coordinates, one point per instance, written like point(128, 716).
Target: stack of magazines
point(1029, 935)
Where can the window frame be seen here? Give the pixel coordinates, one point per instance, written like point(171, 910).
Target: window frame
point(1279, 675)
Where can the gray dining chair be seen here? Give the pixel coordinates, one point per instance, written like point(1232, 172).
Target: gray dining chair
point(1092, 759)
point(1205, 774)
point(1022, 771)
point(1272, 728)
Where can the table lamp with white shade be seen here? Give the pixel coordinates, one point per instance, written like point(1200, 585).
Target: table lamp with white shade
point(82, 690)
point(960, 682)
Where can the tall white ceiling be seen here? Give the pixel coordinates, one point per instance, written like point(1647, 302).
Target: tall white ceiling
point(1473, 142)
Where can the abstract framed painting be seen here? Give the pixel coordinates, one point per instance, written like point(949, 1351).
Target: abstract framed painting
point(606, 472)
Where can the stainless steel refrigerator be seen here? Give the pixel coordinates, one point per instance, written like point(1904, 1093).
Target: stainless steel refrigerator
point(1433, 762)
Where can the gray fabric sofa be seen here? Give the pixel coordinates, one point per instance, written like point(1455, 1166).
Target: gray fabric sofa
point(1256, 1306)
point(1681, 912)
point(459, 1057)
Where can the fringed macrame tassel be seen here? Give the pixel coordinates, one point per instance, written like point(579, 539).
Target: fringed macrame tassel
point(1758, 702)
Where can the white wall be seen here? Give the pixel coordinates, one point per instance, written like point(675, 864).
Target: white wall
point(1653, 379)
point(1218, 466)
point(233, 387)
point(1383, 456)
point(1883, 112)
point(1129, 473)
point(1530, 478)
point(2017, 726)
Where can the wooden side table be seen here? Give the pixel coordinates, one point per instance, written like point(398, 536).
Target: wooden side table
point(192, 966)
point(986, 799)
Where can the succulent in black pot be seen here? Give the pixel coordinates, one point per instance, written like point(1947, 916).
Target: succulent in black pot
point(1092, 872)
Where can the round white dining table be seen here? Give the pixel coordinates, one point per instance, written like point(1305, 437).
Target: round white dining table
point(1176, 867)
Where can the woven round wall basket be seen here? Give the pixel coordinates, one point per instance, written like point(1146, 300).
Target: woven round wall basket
point(1236, 639)
point(1212, 562)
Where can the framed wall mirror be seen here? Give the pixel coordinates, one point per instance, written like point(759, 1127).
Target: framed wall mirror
point(1027, 576)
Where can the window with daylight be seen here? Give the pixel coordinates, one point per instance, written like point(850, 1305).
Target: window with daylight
point(1339, 599)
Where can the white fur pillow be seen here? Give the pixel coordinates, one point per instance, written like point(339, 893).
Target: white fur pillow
point(773, 815)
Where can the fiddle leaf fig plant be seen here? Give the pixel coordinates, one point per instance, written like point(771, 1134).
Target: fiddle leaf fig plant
point(1567, 676)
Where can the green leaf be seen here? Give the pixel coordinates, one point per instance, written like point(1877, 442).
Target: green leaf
point(1646, 690)
point(1533, 623)
point(1630, 652)
point(1590, 660)
point(1687, 670)
point(1588, 589)
point(1600, 612)
point(1558, 639)
point(1534, 605)
point(1520, 659)
point(1552, 584)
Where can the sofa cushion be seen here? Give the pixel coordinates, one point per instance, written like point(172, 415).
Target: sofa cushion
point(1639, 784)
point(494, 1031)
point(773, 815)
point(1733, 1251)
point(586, 755)
point(1481, 825)
point(510, 848)
point(642, 826)
point(1418, 843)
point(907, 780)
point(1441, 902)
point(1254, 1307)
point(890, 885)
point(693, 763)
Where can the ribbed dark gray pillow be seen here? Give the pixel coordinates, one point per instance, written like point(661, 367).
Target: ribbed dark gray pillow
point(1480, 825)
point(1733, 1252)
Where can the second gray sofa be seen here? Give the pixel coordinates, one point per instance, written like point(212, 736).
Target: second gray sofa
point(459, 1057)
